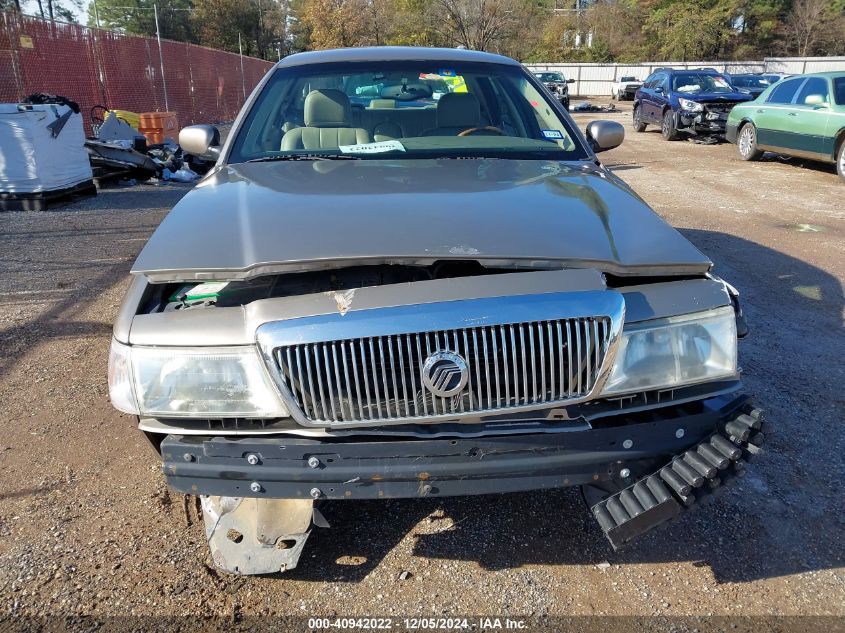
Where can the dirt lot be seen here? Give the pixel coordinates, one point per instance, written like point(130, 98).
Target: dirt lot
point(87, 527)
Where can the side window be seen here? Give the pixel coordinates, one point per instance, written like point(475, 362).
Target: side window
point(664, 83)
point(786, 91)
point(816, 88)
point(649, 82)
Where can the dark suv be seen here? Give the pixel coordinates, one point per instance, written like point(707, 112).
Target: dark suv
point(694, 101)
point(557, 85)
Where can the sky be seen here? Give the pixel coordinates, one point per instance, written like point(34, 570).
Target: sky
point(30, 7)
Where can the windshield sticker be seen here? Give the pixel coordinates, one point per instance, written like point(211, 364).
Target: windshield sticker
point(552, 134)
point(445, 72)
point(372, 148)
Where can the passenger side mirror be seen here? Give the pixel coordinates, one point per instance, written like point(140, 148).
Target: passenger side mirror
point(200, 140)
point(604, 135)
point(816, 100)
point(570, 81)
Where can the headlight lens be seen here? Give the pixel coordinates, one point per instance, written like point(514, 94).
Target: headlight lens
point(196, 382)
point(675, 351)
point(692, 106)
point(121, 392)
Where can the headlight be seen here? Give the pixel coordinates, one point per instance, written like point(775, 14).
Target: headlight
point(192, 382)
point(675, 351)
point(121, 391)
point(691, 106)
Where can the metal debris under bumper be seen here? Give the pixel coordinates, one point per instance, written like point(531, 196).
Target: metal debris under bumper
point(690, 479)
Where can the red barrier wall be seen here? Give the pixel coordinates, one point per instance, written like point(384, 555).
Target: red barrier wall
point(98, 67)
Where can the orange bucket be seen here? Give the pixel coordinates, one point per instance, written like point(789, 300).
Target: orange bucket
point(157, 126)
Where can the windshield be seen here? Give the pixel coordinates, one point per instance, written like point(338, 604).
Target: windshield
point(550, 77)
point(756, 81)
point(699, 82)
point(628, 79)
point(404, 110)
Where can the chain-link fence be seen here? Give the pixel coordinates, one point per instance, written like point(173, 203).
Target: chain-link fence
point(99, 67)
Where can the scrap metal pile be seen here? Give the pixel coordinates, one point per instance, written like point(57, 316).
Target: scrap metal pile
point(133, 147)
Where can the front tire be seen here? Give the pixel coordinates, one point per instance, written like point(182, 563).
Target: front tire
point(746, 143)
point(565, 104)
point(639, 126)
point(667, 127)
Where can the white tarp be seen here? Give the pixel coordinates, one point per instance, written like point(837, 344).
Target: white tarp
point(31, 161)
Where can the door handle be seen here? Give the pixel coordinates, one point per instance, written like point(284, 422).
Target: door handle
point(760, 111)
point(792, 113)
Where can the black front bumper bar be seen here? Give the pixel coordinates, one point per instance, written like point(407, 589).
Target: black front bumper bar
point(690, 479)
point(372, 467)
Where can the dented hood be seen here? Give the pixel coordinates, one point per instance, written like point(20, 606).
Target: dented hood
point(257, 218)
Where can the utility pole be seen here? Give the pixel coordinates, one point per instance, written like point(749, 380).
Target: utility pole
point(241, 51)
point(161, 59)
point(96, 14)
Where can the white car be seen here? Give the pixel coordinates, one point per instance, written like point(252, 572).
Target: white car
point(625, 88)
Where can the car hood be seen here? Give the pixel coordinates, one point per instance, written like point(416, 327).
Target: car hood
point(256, 218)
point(726, 97)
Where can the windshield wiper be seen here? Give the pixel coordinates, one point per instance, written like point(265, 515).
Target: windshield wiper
point(267, 159)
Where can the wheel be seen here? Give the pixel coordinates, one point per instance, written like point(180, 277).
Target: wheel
point(840, 159)
point(667, 128)
point(746, 143)
point(565, 104)
point(639, 126)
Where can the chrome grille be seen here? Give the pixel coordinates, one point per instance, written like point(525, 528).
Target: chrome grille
point(511, 366)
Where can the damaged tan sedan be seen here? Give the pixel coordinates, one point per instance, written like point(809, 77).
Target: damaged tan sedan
point(409, 276)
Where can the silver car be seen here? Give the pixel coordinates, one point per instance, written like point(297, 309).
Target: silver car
point(408, 275)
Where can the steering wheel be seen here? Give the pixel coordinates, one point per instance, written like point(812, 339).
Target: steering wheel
point(483, 128)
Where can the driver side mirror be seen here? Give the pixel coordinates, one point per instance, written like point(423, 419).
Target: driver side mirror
point(570, 81)
point(201, 140)
point(604, 135)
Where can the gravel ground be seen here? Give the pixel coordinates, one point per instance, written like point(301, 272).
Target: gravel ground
point(88, 528)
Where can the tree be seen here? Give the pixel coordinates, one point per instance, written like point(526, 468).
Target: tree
point(616, 28)
point(138, 18)
point(335, 23)
point(692, 31)
point(10, 5)
point(479, 24)
point(811, 23)
point(413, 24)
point(228, 25)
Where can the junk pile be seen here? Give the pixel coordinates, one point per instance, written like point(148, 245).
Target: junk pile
point(586, 106)
point(42, 159)
point(139, 147)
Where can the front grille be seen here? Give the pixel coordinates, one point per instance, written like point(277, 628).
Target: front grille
point(723, 108)
point(510, 366)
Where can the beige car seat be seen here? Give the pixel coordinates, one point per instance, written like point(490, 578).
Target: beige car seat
point(328, 118)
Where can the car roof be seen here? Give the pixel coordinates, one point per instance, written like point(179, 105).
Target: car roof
point(393, 53)
point(697, 71)
point(830, 74)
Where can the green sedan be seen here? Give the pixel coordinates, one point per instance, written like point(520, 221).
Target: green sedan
point(800, 116)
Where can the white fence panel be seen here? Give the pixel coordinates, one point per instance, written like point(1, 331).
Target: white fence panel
point(597, 79)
